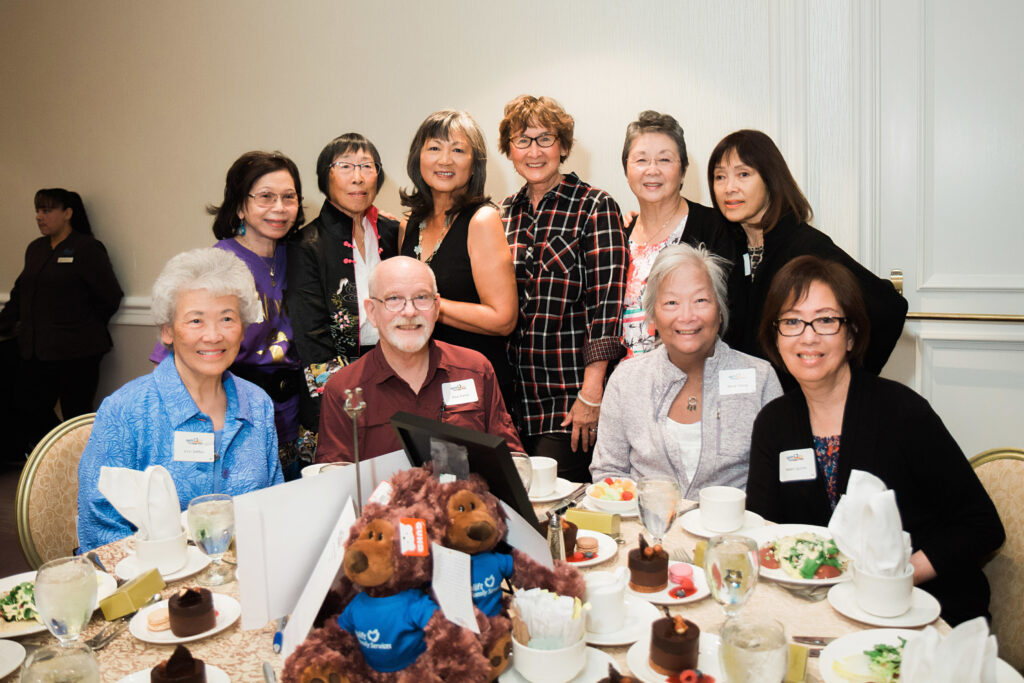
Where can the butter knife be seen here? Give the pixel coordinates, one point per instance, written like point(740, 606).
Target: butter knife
point(268, 673)
point(572, 498)
point(813, 640)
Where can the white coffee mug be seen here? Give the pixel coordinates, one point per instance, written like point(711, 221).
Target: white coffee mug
point(544, 477)
point(168, 555)
point(883, 596)
point(549, 666)
point(606, 593)
point(722, 508)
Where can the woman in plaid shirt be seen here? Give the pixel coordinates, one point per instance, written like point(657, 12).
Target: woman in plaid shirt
point(570, 258)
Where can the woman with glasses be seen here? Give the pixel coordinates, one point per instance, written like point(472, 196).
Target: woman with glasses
point(455, 229)
point(262, 205)
point(570, 264)
point(654, 159)
point(754, 189)
point(843, 418)
point(329, 264)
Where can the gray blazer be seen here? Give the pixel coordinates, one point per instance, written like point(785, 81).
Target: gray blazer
point(631, 437)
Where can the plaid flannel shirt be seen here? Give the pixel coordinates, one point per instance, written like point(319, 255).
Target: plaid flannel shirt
point(570, 259)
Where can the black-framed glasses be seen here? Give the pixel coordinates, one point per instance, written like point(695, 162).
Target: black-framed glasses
point(542, 140)
point(348, 168)
point(267, 199)
point(794, 327)
point(421, 302)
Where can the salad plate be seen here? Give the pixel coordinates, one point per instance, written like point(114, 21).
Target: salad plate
point(768, 534)
point(227, 609)
point(637, 659)
point(692, 522)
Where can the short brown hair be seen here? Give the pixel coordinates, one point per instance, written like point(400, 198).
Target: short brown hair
point(541, 111)
point(790, 285)
point(755, 149)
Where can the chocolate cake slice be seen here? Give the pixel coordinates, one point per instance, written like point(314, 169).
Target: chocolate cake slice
point(191, 612)
point(180, 668)
point(674, 645)
point(648, 568)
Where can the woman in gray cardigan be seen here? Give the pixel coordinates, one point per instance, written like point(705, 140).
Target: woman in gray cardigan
point(686, 409)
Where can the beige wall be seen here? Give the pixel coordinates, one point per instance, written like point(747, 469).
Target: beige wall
point(142, 106)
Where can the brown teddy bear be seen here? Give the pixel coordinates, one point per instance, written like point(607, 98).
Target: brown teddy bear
point(391, 630)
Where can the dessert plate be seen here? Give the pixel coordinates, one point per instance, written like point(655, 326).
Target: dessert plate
point(707, 660)
point(595, 669)
point(227, 608)
point(691, 521)
point(606, 548)
point(586, 504)
point(662, 597)
point(924, 609)
point(766, 534)
point(563, 487)
point(213, 675)
point(639, 615)
point(129, 567)
point(12, 654)
point(105, 585)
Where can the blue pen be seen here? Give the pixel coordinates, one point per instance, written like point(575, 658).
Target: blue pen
point(279, 633)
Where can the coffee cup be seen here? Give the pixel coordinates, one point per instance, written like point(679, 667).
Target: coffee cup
point(722, 508)
point(606, 593)
point(881, 595)
point(549, 666)
point(544, 476)
point(168, 555)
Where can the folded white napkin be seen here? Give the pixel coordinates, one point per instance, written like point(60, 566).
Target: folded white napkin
point(965, 655)
point(149, 499)
point(866, 526)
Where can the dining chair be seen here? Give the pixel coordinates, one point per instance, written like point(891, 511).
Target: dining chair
point(46, 503)
point(1001, 471)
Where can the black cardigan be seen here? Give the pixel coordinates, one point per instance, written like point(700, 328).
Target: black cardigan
point(893, 433)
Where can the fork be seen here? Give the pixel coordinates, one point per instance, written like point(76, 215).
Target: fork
point(679, 554)
point(113, 628)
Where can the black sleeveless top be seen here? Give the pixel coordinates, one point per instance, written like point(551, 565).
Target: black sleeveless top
point(454, 275)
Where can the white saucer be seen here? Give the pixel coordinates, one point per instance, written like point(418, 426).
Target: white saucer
point(662, 597)
point(105, 586)
point(924, 609)
point(639, 615)
point(213, 675)
point(606, 548)
point(129, 567)
point(691, 521)
point(595, 669)
point(227, 608)
point(12, 654)
point(563, 487)
point(707, 660)
point(587, 505)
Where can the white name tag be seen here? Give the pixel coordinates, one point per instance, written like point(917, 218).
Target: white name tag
point(193, 446)
point(457, 393)
point(746, 264)
point(65, 259)
point(742, 381)
point(797, 465)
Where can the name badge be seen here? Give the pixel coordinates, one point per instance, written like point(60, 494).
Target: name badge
point(65, 259)
point(797, 465)
point(742, 381)
point(457, 393)
point(193, 446)
point(746, 264)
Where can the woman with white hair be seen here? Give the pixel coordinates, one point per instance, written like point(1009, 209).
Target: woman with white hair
point(202, 302)
point(684, 410)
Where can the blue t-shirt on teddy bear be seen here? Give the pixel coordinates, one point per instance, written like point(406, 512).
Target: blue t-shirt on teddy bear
point(389, 629)
point(488, 571)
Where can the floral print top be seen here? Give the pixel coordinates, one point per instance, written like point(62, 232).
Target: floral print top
point(637, 335)
point(826, 451)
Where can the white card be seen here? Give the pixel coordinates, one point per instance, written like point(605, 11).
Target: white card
point(193, 446)
point(742, 381)
point(526, 537)
point(797, 465)
point(746, 264)
point(457, 393)
point(453, 585)
point(65, 259)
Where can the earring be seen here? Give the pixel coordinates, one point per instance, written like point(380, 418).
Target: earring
point(240, 230)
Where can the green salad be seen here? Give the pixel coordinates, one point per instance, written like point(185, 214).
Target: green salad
point(19, 603)
point(884, 661)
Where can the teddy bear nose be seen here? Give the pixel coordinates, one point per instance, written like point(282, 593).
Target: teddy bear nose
point(480, 531)
point(357, 562)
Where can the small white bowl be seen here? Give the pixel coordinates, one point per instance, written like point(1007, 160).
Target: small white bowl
point(614, 506)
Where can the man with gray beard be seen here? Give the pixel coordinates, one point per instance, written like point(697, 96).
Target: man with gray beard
point(408, 371)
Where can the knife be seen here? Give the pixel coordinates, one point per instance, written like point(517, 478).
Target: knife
point(268, 673)
point(813, 640)
point(571, 499)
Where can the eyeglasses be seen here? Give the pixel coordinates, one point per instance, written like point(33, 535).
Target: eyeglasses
point(660, 163)
point(421, 302)
point(794, 327)
point(265, 200)
point(346, 168)
point(542, 140)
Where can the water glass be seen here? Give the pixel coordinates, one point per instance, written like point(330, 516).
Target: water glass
point(211, 521)
point(71, 663)
point(658, 500)
point(731, 566)
point(524, 466)
point(65, 595)
point(753, 650)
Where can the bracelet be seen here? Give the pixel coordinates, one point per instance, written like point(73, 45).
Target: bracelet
point(586, 402)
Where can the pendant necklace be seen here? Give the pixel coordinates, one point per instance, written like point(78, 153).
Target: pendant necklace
point(691, 405)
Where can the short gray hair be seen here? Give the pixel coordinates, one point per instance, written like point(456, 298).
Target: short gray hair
point(219, 272)
point(677, 256)
point(371, 282)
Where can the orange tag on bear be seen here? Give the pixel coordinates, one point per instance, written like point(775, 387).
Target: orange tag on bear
point(412, 537)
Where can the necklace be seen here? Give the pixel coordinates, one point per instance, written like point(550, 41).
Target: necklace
point(271, 263)
point(651, 239)
point(418, 249)
point(691, 405)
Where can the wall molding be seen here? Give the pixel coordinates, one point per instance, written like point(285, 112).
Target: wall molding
point(867, 78)
point(134, 310)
